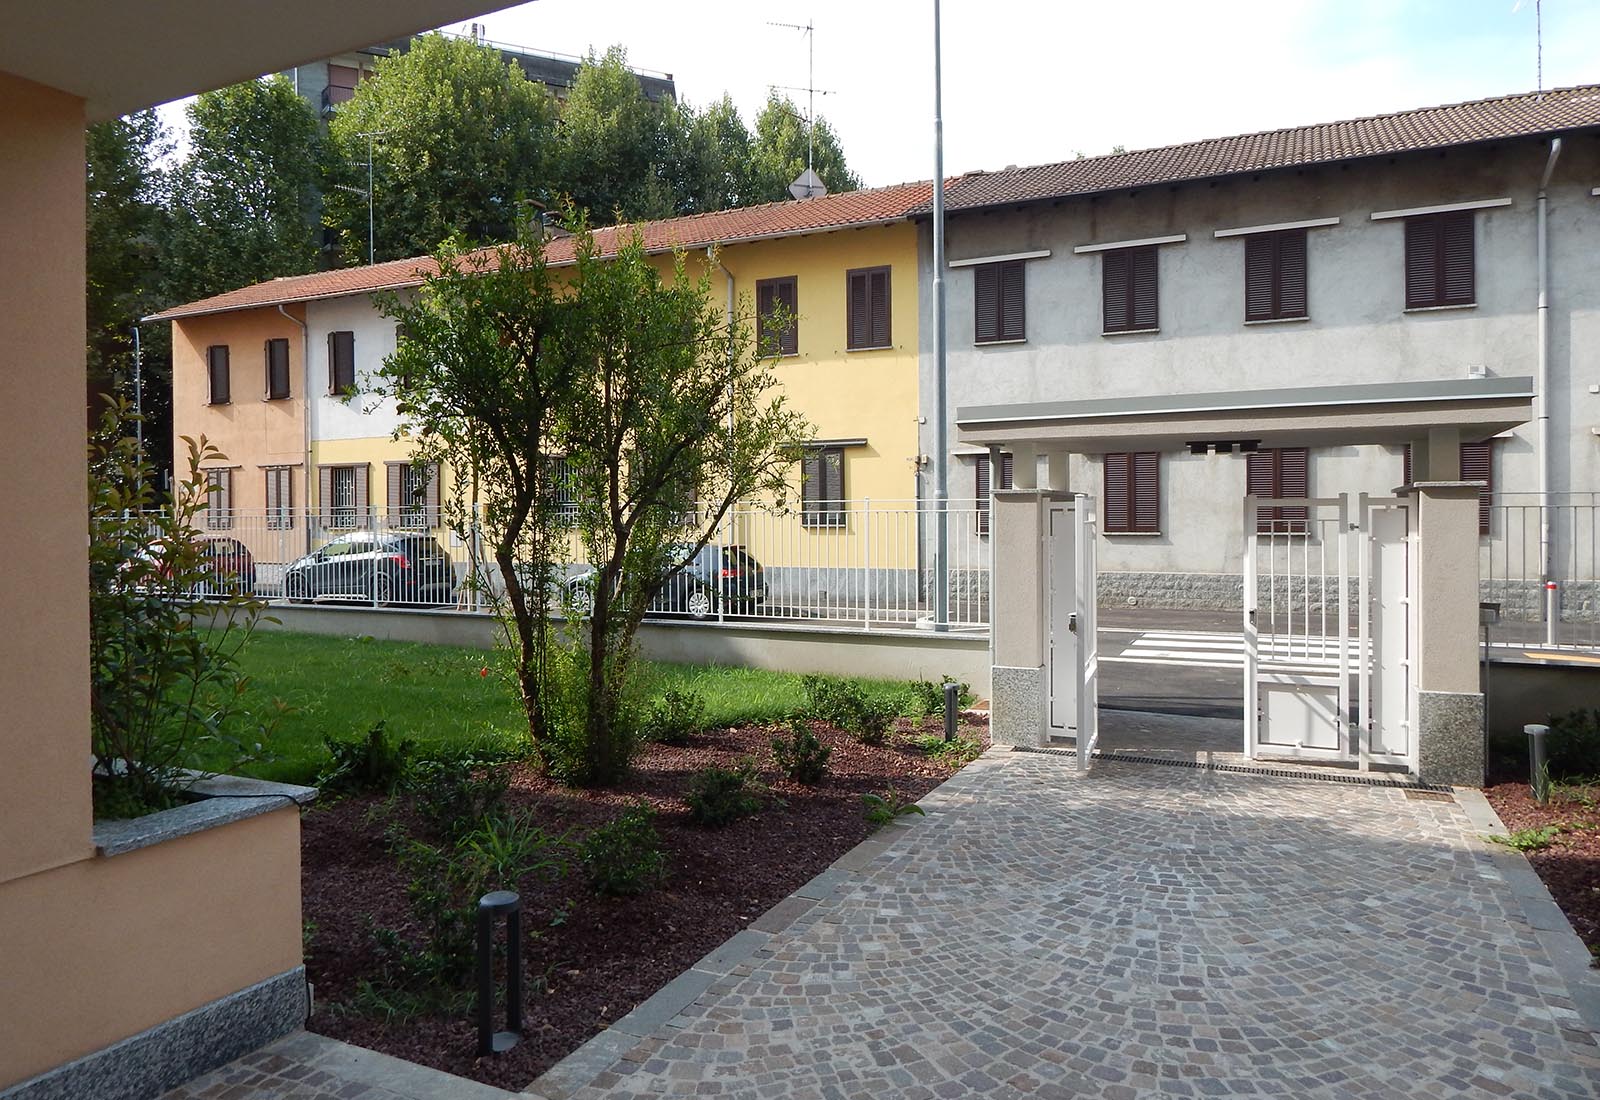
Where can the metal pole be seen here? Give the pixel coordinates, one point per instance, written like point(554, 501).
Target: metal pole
point(941, 458)
point(138, 392)
point(371, 247)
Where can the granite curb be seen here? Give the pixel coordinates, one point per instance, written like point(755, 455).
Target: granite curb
point(1545, 920)
point(636, 1035)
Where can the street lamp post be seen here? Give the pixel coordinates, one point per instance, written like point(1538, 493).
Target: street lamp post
point(941, 455)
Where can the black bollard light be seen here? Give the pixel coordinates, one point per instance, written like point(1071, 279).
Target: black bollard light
point(491, 905)
point(1538, 764)
point(952, 704)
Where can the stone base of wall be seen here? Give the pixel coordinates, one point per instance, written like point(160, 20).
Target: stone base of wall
point(1450, 737)
point(1016, 705)
point(165, 1056)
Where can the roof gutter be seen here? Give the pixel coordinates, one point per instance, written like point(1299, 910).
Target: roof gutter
point(1541, 396)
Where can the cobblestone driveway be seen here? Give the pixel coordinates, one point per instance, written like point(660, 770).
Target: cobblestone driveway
point(1147, 931)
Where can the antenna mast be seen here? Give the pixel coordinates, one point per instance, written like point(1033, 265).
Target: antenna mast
point(812, 91)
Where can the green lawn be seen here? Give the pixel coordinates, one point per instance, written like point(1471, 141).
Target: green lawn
point(438, 695)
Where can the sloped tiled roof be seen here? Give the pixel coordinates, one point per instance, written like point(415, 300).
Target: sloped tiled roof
point(1503, 117)
point(844, 210)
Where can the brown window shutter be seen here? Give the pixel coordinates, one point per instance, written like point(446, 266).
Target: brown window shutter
point(1477, 464)
point(1143, 294)
point(341, 362)
point(788, 293)
point(277, 369)
point(1114, 291)
point(981, 492)
point(1260, 481)
point(325, 495)
point(430, 499)
point(1291, 277)
point(860, 323)
point(1405, 465)
point(811, 478)
point(1456, 258)
point(1259, 262)
point(1293, 481)
point(1422, 262)
point(765, 333)
point(1146, 495)
point(395, 476)
point(217, 374)
point(986, 303)
point(1013, 301)
point(880, 309)
point(1115, 511)
point(361, 493)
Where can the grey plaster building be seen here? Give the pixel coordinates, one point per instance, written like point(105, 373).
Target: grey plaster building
point(1399, 248)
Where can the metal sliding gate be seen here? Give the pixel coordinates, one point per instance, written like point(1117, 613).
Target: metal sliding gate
point(1328, 631)
point(1072, 658)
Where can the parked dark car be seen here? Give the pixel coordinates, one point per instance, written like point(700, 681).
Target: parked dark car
point(715, 574)
point(369, 567)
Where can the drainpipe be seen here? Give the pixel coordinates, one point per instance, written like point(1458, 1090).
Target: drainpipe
point(305, 384)
point(1542, 395)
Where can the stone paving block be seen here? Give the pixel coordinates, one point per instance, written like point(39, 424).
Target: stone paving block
point(782, 915)
point(733, 951)
point(824, 884)
point(665, 1003)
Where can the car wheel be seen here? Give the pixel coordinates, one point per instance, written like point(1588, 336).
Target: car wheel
point(581, 599)
point(700, 604)
point(383, 589)
point(294, 588)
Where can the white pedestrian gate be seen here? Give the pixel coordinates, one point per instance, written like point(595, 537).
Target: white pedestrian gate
point(1072, 658)
point(1327, 630)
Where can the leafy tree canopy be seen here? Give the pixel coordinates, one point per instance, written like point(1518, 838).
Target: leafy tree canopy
point(778, 152)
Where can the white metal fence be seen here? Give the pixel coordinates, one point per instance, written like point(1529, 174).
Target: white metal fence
point(1541, 565)
point(859, 563)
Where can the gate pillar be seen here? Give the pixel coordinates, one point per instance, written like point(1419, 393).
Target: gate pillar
point(1018, 682)
point(1449, 703)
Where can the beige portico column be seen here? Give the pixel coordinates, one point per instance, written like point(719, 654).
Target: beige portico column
point(1449, 709)
point(1018, 682)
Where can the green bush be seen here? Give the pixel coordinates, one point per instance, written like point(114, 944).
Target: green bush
point(871, 726)
point(844, 705)
point(376, 762)
point(455, 798)
point(623, 857)
point(720, 796)
point(674, 718)
point(926, 698)
point(1573, 745)
point(801, 756)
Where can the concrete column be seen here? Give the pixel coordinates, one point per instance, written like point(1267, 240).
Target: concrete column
point(45, 815)
point(1449, 712)
point(1018, 685)
point(1058, 467)
point(1025, 468)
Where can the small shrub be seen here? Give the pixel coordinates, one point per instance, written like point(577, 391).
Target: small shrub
point(720, 796)
point(801, 756)
point(833, 700)
point(871, 726)
point(958, 752)
point(623, 857)
point(456, 798)
point(374, 763)
point(884, 808)
point(1573, 745)
point(674, 718)
point(1529, 840)
point(926, 698)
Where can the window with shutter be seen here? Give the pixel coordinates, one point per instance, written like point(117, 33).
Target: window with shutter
point(1440, 260)
point(981, 476)
point(342, 494)
point(1477, 464)
point(413, 494)
point(1129, 295)
point(219, 499)
point(775, 298)
point(217, 374)
point(280, 498)
point(868, 301)
point(341, 362)
point(1131, 501)
point(277, 370)
point(1275, 275)
point(998, 302)
point(1276, 473)
point(822, 487)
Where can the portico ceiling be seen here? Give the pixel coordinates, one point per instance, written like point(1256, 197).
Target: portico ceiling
point(1386, 412)
point(119, 57)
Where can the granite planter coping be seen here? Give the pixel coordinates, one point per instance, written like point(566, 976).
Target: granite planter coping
point(219, 800)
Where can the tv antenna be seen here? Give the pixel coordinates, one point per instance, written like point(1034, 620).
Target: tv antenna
point(1538, 39)
point(809, 184)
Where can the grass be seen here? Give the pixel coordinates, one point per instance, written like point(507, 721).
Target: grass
point(440, 697)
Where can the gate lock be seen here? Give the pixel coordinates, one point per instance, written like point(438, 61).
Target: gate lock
point(1072, 622)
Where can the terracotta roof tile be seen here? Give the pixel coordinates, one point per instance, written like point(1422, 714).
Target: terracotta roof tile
point(1503, 117)
point(843, 210)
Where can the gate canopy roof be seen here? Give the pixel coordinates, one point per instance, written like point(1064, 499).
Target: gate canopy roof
point(1380, 412)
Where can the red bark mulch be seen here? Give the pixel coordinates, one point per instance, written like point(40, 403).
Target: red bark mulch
point(590, 959)
point(1570, 866)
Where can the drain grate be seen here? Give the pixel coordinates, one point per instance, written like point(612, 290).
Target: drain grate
point(1410, 786)
point(1418, 795)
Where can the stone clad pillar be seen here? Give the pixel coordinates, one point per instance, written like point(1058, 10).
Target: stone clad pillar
point(1018, 681)
point(1449, 711)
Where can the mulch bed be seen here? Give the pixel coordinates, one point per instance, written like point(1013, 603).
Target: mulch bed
point(591, 966)
point(1570, 866)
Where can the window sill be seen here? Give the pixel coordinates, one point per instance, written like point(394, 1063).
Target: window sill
point(1131, 332)
point(277, 397)
point(875, 347)
point(1279, 320)
point(992, 343)
point(217, 404)
point(1439, 309)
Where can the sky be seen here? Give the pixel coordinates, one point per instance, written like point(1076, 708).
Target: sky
point(1034, 82)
